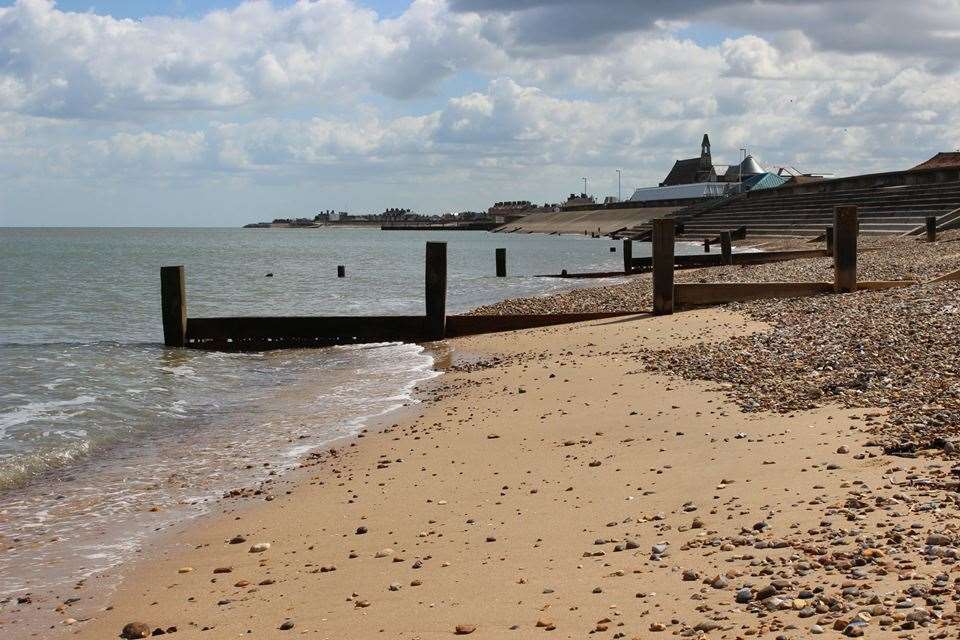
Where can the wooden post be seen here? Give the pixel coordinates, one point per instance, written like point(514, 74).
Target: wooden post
point(173, 306)
point(436, 289)
point(501, 263)
point(706, 245)
point(662, 240)
point(931, 228)
point(627, 255)
point(845, 229)
point(828, 238)
point(341, 271)
point(726, 249)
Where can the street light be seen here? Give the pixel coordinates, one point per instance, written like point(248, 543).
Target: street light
point(740, 170)
point(619, 194)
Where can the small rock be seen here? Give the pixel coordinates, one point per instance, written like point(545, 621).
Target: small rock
point(135, 630)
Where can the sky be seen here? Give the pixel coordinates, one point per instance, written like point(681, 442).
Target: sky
point(222, 112)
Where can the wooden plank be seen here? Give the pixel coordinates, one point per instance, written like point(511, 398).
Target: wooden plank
point(627, 255)
point(708, 293)
point(436, 288)
point(501, 259)
point(953, 275)
point(663, 247)
point(350, 328)
point(845, 230)
point(173, 305)
point(726, 247)
point(473, 325)
point(694, 261)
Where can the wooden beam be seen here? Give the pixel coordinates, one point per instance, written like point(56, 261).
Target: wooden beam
point(436, 288)
point(697, 260)
point(726, 247)
point(845, 230)
point(663, 247)
point(173, 305)
point(501, 259)
point(828, 239)
point(709, 293)
point(931, 222)
point(627, 255)
point(332, 328)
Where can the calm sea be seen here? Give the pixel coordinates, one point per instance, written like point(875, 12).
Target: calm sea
point(106, 436)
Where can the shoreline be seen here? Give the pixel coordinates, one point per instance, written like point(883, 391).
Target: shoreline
point(524, 497)
point(550, 471)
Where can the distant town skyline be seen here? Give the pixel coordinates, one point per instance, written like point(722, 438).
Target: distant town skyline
point(219, 112)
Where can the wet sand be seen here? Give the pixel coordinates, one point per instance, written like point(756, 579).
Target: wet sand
point(549, 487)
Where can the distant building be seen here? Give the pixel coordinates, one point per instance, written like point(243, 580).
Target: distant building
point(693, 170)
point(943, 160)
point(574, 200)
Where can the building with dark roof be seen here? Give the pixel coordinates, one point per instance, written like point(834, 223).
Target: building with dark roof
point(943, 160)
point(693, 170)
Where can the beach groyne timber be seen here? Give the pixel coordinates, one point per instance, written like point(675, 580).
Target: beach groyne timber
point(276, 332)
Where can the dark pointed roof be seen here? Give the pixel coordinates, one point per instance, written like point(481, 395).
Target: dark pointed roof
point(943, 160)
point(683, 172)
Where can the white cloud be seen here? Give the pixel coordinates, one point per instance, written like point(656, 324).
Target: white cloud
point(449, 109)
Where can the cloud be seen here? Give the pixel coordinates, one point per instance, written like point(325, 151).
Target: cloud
point(450, 105)
point(258, 55)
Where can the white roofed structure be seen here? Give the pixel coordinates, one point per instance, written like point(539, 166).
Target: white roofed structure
point(680, 191)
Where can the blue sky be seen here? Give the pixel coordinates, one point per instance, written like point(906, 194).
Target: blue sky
point(187, 8)
point(281, 109)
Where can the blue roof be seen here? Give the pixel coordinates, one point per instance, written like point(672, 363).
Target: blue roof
point(763, 181)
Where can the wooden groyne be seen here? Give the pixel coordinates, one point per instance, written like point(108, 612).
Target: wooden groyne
point(843, 244)
point(257, 333)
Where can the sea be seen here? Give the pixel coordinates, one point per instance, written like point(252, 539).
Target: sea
point(107, 437)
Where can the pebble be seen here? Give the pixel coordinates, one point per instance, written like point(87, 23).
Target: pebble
point(133, 630)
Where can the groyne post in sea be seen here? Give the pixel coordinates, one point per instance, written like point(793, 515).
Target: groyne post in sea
point(627, 255)
point(173, 306)
point(341, 271)
point(436, 289)
point(501, 258)
point(726, 248)
point(662, 239)
point(845, 230)
point(931, 228)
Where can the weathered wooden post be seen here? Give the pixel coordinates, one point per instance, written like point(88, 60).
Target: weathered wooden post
point(341, 271)
point(828, 238)
point(706, 245)
point(662, 241)
point(501, 263)
point(173, 306)
point(845, 230)
point(931, 228)
point(627, 255)
point(726, 248)
point(436, 289)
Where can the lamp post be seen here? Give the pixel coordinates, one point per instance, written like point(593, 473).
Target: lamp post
point(584, 187)
point(619, 194)
point(740, 170)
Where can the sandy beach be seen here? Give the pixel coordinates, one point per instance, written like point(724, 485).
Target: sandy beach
point(552, 485)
